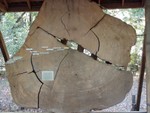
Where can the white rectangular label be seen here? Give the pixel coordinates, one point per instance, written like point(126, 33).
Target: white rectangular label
point(29, 49)
point(47, 75)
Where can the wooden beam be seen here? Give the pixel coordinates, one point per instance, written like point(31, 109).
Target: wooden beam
point(3, 48)
point(6, 4)
point(23, 9)
point(99, 1)
point(17, 7)
point(143, 3)
point(122, 2)
point(29, 4)
point(3, 7)
point(147, 29)
point(119, 5)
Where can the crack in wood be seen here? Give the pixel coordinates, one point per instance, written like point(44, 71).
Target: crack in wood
point(26, 46)
point(60, 64)
point(39, 95)
point(68, 7)
point(38, 80)
point(25, 73)
point(96, 24)
point(46, 31)
point(59, 68)
point(98, 41)
point(64, 24)
point(94, 56)
point(34, 69)
point(21, 73)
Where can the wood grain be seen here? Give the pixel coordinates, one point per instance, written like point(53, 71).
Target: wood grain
point(80, 83)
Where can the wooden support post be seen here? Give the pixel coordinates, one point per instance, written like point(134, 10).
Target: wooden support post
point(3, 48)
point(29, 5)
point(122, 3)
point(143, 3)
point(99, 1)
point(6, 4)
point(147, 16)
point(141, 78)
point(3, 8)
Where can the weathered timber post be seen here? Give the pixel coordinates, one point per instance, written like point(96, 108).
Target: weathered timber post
point(141, 77)
point(147, 15)
point(3, 48)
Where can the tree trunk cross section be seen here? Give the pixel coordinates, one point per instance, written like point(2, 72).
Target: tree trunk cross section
point(76, 82)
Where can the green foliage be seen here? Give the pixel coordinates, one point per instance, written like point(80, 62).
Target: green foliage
point(15, 27)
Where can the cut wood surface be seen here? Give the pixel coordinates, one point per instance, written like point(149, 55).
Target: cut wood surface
point(80, 86)
point(66, 80)
point(25, 89)
point(85, 23)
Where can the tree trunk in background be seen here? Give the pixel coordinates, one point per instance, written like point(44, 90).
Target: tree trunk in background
point(46, 74)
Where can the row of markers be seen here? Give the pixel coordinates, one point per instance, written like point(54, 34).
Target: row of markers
point(74, 46)
point(47, 50)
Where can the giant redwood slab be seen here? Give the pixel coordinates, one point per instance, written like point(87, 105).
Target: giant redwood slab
point(73, 60)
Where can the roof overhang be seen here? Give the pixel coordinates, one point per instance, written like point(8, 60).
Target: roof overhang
point(34, 5)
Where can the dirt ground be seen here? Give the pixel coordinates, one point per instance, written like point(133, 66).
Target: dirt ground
point(7, 104)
